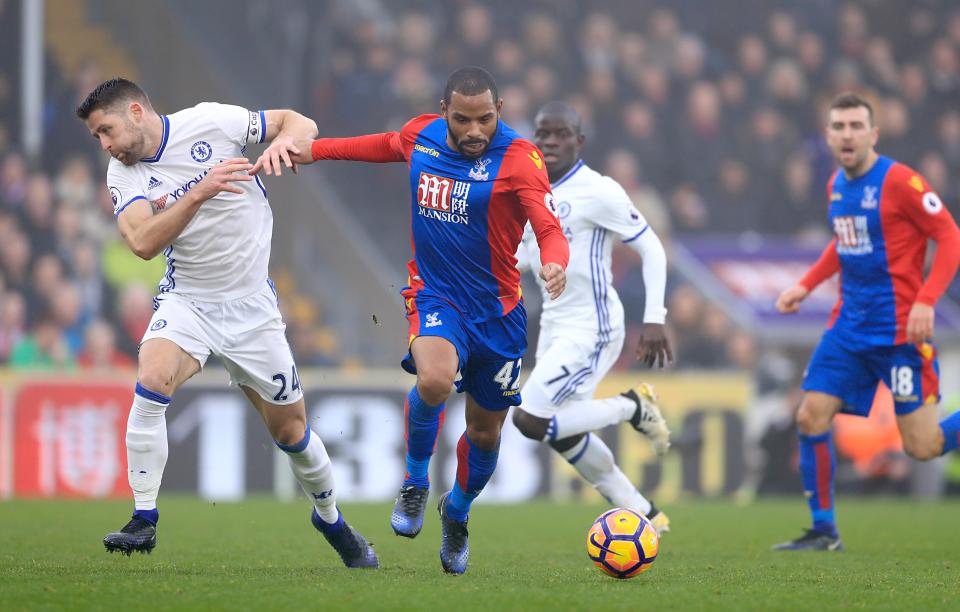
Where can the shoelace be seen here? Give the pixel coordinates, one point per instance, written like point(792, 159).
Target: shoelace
point(411, 499)
point(135, 525)
point(456, 533)
point(351, 542)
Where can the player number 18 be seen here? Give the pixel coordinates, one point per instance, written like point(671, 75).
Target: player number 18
point(901, 380)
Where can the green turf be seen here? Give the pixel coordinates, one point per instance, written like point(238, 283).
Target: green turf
point(262, 554)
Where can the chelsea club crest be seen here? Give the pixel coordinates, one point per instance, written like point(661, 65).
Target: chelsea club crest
point(201, 151)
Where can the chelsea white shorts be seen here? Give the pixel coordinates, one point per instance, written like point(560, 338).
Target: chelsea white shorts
point(571, 363)
point(247, 334)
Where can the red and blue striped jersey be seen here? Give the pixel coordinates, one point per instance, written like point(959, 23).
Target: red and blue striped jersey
point(467, 215)
point(881, 222)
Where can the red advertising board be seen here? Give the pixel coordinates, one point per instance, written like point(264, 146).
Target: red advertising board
point(6, 440)
point(70, 439)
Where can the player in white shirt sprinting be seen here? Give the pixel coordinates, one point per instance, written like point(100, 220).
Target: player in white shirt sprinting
point(582, 331)
point(181, 184)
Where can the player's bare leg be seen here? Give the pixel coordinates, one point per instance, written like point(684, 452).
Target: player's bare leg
point(287, 423)
point(162, 368)
point(923, 437)
point(436, 361)
point(477, 453)
point(817, 465)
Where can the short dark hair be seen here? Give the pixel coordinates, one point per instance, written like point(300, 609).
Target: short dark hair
point(109, 93)
point(470, 81)
point(852, 100)
point(562, 109)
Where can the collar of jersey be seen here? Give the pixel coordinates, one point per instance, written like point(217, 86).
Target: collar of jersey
point(569, 173)
point(163, 141)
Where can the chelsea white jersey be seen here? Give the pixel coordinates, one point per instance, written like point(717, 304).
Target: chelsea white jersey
point(223, 253)
point(594, 211)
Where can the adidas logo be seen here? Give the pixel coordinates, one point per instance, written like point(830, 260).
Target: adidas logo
point(153, 184)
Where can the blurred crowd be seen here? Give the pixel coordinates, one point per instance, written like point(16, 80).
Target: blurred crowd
point(710, 114)
point(710, 117)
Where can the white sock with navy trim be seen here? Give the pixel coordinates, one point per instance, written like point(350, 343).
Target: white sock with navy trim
point(594, 460)
point(584, 416)
point(146, 446)
point(311, 466)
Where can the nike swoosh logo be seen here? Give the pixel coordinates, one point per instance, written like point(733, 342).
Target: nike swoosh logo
point(593, 540)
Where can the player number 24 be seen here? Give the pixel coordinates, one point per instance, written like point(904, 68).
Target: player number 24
point(294, 384)
point(901, 380)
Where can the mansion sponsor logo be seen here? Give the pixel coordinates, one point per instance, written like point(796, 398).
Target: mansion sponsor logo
point(443, 198)
point(853, 235)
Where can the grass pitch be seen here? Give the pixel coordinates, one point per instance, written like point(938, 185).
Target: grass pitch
point(263, 554)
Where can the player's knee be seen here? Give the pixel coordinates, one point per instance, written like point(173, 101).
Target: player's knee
point(433, 385)
point(484, 438)
point(530, 426)
point(562, 446)
point(812, 422)
point(159, 380)
point(290, 432)
point(921, 449)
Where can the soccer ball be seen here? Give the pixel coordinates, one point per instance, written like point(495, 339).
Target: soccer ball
point(622, 543)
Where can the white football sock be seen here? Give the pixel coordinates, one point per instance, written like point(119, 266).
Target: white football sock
point(593, 459)
point(584, 416)
point(146, 446)
point(313, 470)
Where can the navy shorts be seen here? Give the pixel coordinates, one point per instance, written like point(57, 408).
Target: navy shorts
point(489, 352)
point(851, 370)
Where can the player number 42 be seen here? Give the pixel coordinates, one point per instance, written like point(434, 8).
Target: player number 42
point(901, 380)
point(508, 377)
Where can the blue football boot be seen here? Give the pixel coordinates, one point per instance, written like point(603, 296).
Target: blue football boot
point(454, 551)
point(352, 547)
point(138, 535)
point(407, 516)
point(813, 540)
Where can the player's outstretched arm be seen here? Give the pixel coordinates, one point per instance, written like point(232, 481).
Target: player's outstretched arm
point(789, 301)
point(290, 135)
point(826, 266)
point(147, 234)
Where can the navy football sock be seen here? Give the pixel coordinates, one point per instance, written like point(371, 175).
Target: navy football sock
point(817, 466)
point(475, 466)
point(423, 424)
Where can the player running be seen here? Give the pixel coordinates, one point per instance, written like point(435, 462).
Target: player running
point(881, 329)
point(474, 184)
point(181, 185)
point(582, 332)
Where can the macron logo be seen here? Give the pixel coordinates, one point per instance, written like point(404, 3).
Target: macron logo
point(153, 184)
point(433, 320)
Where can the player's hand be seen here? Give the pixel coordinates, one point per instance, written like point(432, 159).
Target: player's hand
point(789, 300)
point(555, 278)
point(221, 178)
point(283, 151)
point(654, 347)
point(920, 323)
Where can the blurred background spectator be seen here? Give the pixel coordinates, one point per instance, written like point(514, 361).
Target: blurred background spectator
point(711, 119)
